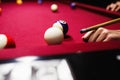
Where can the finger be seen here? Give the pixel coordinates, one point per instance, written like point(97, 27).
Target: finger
point(109, 6)
point(102, 36)
point(113, 7)
point(117, 8)
point(87, 35)
point(95, 35)
point(107, 39)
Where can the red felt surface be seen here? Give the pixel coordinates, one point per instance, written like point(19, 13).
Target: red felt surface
point(75, 48)
point(27, 23)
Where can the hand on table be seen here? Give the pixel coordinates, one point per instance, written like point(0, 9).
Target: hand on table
point(101, 35)
point(114, 6)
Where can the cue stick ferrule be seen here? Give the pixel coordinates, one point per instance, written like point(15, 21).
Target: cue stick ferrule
point(100, 25)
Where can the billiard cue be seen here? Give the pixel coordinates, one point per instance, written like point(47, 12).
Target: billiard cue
point(94, 27)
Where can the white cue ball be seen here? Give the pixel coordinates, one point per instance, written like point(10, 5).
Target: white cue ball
point(53, 35)
point(54, 7)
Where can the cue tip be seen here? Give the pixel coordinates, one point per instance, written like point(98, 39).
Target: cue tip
point(83, 30)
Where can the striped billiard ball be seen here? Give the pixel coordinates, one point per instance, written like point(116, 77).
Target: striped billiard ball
point(62, 25)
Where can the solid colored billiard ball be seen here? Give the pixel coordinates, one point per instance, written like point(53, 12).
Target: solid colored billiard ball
point(0, 11)
point(61, 24)
point(73, 5)
point(53, 35)
point(19, 2)
point(6, 41)
point(54, 7)
point(40, 1)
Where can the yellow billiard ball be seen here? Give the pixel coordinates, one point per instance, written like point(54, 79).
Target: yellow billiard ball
point(0, 11)
point(19, 2)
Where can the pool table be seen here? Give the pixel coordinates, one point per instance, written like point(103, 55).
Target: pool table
point(27, 23)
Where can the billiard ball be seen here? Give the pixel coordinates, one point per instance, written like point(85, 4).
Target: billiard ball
point(19, 2)
point(58, 25)
point(54, 7)
point(73, 5)
point(62, 25)
point(40, 1)
point(6, 41)
point(53, 35)
point(0, 11)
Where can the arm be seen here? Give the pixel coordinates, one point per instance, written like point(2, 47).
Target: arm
point(102, 35)
point(114, 6)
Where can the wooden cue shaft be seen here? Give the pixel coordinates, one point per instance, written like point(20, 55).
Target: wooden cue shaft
point(100, 25)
